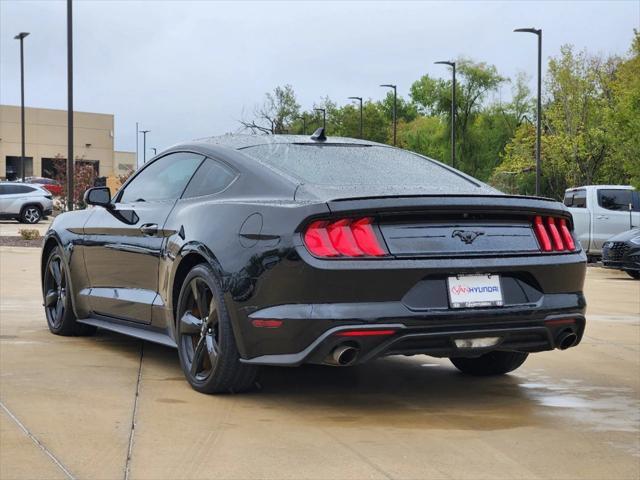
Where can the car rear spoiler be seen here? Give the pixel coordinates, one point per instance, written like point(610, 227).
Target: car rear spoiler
point(444, 203)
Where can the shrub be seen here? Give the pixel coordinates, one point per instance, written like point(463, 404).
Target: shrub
point(29, 233)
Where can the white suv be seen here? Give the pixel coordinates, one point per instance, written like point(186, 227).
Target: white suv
point(25, 203)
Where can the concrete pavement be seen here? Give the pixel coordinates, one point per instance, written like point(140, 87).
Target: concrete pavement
point(69, 404)
point(11, 228)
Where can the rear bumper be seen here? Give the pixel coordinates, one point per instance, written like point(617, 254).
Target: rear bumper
point(622, 265)
point(525, 328)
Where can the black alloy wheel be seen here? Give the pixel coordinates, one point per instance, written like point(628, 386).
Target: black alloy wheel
point(55, 291)
point(199, 330)
point(206, 345)
point(57, 303)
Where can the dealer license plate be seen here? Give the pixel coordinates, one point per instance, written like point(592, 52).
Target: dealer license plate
point(466, 291)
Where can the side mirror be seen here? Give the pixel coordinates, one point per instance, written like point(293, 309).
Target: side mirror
point(98, 196)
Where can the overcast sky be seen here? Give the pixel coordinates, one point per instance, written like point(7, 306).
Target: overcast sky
point(190, 69)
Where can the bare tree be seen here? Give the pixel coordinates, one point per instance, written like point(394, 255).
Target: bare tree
point(279, 109)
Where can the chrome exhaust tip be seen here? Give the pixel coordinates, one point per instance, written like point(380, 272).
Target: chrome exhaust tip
point(566, 339)
point(343, 356)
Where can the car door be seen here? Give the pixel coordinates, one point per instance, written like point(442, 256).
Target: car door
point(123, 244)
point(611, 214)
point(4, 199)
point(12, 197)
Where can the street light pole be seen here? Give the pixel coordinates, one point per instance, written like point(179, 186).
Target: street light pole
point(360, 100)
point(20, 37)
point(304, 123)
point(538, 32)
point(324, 116)
point(70, 105)
point(453, 111)
point(395, 106)
point(144, 145)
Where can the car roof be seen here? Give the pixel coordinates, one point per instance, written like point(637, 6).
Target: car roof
point(239, 141)
point(621, 187)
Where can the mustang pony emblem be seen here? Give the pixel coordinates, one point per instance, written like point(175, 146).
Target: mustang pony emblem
point(466, 236)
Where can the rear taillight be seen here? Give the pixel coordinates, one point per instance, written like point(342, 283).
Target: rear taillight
point(553, 234)
point(345, 237)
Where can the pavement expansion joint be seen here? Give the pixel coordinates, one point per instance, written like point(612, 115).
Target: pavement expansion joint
point(127, 467)
point(37, 442)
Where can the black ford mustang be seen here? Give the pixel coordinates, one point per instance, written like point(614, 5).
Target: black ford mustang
point(245, 250)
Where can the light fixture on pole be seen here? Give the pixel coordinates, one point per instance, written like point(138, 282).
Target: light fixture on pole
point(453, 111)
point(20, 37)
point(538, 32)
point(360, 100)
point(395, 106)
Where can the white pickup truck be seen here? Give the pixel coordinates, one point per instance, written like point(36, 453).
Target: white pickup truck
point(600, 212)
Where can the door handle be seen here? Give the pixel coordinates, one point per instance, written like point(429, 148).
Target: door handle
point(602, 217)
point(149, 229)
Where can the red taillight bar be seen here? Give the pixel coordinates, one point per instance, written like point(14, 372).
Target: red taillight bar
point(566, 235)
point(343, 238)
point(553, 234)
point(541, 234)
point(365, 333)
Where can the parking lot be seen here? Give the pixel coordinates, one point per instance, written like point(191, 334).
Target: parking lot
point(68, 406)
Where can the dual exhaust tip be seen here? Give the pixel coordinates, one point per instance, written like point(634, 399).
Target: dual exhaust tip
point(345, 355)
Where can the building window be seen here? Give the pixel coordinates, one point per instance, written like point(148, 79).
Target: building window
point(13, 168)
point(95, 164)
point(50, 167)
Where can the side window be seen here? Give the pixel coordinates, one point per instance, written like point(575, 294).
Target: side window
point(212, 177)
point(614, 199)
point(164, 179)
point(576, 199)
point(12, 189)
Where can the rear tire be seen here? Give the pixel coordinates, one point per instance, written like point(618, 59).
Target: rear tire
point(31, 214)
point(57, 298)
point(206, 346)
point(634, 275)
point(492, 363)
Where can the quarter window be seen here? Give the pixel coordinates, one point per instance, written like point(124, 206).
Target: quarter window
point(614, 199)
point(212, 177)
point(163, 179)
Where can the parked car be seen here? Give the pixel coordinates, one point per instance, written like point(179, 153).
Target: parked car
point(622, 252)
point(48, 183)
point(601, 211)
point(25, 203)
point(243, 251)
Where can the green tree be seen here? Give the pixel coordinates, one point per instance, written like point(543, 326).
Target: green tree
point(624, 117)
point(474, 82)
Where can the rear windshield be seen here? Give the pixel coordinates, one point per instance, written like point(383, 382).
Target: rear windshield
point(355, 165)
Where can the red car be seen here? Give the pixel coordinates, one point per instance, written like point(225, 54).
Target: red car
point(52, 185)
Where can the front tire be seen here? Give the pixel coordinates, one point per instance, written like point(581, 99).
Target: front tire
point(634, 274)
point(31, 214)
point(57, 298)
point(492, 363)
point(206, 346)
